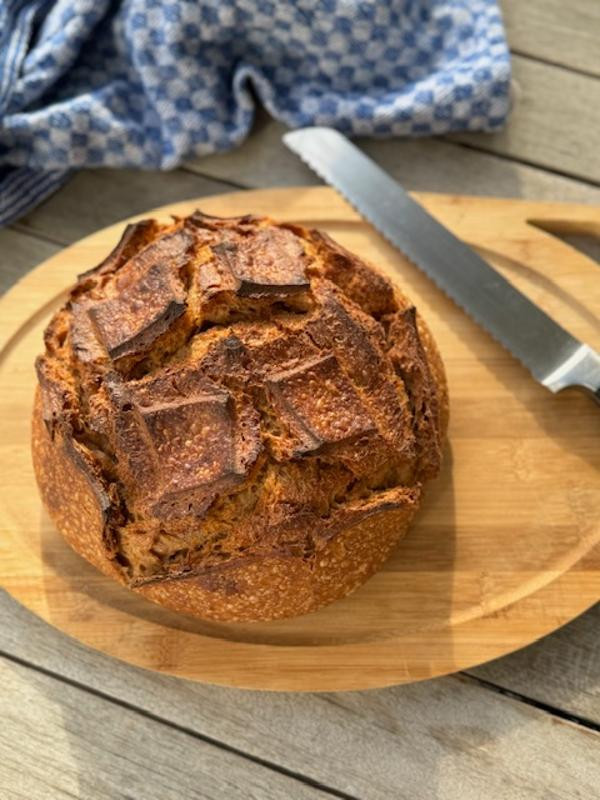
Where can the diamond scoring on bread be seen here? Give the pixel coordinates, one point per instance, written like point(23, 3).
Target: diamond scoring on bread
point(236, 417)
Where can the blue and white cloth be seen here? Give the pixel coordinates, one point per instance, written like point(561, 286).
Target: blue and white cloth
point(145, 83)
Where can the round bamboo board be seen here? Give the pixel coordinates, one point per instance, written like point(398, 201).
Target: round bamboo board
point(505, 549)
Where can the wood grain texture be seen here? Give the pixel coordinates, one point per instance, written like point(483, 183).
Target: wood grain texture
point(553, 123)
point(504, 545)
point(431, 165)
point(562, 670)
point(58, 741)
point(552, 30)
point(440, 740)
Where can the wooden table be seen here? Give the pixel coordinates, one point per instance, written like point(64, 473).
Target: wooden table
point(76, 724)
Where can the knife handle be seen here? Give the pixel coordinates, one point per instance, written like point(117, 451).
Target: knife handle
point(580, 371)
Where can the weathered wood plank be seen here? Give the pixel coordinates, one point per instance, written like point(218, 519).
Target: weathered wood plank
point(57, 741)
point(562, 670)
point(96, 198)
point(18, 254)
point(430, 165)
point(21, 249)
point(444, 739)
point(554, 121)
point(563, 33)
point(420, 165)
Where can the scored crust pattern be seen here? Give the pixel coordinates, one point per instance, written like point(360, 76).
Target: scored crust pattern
point(245, 414)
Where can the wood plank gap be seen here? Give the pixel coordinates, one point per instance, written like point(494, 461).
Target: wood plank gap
point(227, 181)
point(575, 719)
point(289, 773)
point(267, 136)
point(18, 227)
point(566, 32)
point(523, 161)
point(550, 63)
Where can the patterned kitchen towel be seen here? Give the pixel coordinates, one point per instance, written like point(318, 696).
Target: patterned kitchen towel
point(145, 83)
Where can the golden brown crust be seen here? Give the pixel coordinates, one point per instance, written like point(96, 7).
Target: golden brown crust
point(289, 586)
point(76, 502)
point(235, 418)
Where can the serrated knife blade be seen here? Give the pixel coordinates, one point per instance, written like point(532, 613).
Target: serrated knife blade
point(554, 357)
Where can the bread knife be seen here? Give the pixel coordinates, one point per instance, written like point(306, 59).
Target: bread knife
point(554, 357)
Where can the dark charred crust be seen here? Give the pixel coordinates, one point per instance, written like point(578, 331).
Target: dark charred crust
point(369, 289)
point(358, 343)
point(84, 341)
point(410, 362)
point(184, 437)
point(134, 237)
point(150, 297)
point(118, 340)
point(380, 503)
point(56, 333)
point(209, 222)
point(269, 262)
point(83, 462)
point(287, 540)
point(319, 404)
point(130, 439)
point(54, 396)
point(216, 276)
point(226, 363)
point(215, 578)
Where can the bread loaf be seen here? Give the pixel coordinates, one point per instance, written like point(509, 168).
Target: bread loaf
point(235, 418)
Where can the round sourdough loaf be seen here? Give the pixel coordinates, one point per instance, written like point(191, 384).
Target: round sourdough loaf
point(235, 418)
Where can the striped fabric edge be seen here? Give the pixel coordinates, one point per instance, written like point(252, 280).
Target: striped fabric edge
point(22, 188)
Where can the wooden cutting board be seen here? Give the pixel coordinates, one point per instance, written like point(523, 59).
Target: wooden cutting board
point(505, 549)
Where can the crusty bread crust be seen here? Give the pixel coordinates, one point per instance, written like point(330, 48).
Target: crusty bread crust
point(236, 418)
